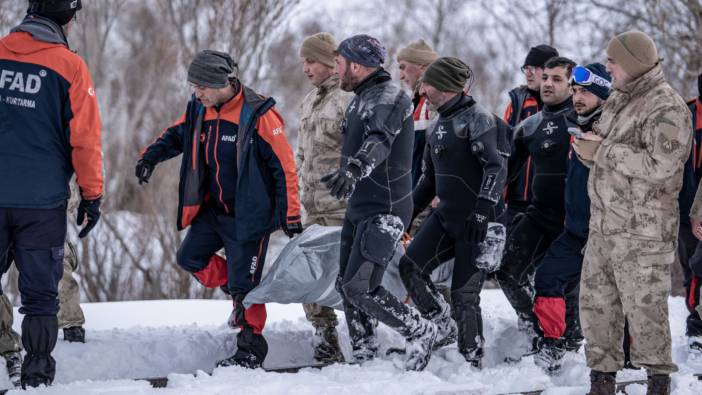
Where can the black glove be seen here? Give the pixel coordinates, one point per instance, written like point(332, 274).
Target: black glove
point(342, 182)
point(292, 228)
point(477, 222)
point(144, 168)
point(516, 219)
point(91, 208)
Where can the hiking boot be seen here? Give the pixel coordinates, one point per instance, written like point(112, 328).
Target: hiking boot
point(602, 383)
point(327, 349)
point(243, 359)
point(74, 334)
point(550, 355)
point(420, 345)
point(658, 384)
point(13, 361)
point(251, 350)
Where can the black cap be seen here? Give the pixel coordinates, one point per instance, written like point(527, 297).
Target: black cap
point(59, 11)
point(211, 69)
point(539, 54)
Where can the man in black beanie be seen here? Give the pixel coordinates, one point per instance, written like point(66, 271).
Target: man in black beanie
point(50, 129)
point(465, 165)
point(375, 176)
point(237, 185)
point(525, 101)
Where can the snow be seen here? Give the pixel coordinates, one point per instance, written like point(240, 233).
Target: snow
point(175, 337)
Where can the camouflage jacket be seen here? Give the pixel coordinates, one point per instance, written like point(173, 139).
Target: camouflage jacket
point(636, 174)
point(319, 148)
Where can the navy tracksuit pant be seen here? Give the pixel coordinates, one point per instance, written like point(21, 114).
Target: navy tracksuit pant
point(34, 238)
point(211, 230)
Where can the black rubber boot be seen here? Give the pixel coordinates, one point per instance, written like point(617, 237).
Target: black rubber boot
point(658, 384)
point(74, 334)
point(39, 335)
point(602, 383)
point(251, 350)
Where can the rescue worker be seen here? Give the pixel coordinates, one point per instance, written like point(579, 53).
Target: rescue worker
point(466, 167)
point(636, 153)
point(318, 153)
point(559, 273)
point(375, 176)
point(48, 101)
point(525, 101)
point(544, 137)
point(237, 185)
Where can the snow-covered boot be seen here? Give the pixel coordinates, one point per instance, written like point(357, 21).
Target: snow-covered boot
point(695, 344)
point(474, 356)
point(327, 349)
point(420, 345)
point(602, 383)
point(658, 384)
point(550, 354)
point(364, 350)
point(445, 325)
point(74, 334)
point(13, 361)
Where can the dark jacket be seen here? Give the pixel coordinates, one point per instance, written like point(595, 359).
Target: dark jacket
point(259, 187)
point(523, 103)
point(465, 160)
point(378, 136)
point(691, 172)
point(49, 119)
point(576, 198)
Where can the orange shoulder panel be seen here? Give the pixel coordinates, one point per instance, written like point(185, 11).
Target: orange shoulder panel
point(271, 128)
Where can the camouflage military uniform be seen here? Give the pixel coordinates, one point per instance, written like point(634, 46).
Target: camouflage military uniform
point(70, 314)
point(318, 153)
point(635, 178)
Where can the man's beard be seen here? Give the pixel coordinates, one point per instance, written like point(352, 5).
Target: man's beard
point(348, 82)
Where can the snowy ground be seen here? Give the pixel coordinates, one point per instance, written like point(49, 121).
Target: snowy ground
point(158, 338)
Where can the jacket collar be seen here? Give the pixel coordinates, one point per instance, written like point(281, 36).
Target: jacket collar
point(42, 29)
point(644, 83)
point(328, 85)
point(375, 78)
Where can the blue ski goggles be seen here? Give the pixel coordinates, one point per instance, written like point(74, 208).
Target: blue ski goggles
point(583, 76)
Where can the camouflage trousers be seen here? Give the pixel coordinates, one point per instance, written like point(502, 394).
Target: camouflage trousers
point(70, 314)
point(321, 316)
point(627, 278)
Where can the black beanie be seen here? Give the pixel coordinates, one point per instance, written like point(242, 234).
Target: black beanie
point(447, 74)
point(59, 11)
point(539, 54)
point(211, 69)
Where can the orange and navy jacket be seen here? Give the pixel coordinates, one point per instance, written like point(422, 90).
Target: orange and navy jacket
point(238, 156)
point(523, 103)
point(692, 172)
point(49, 121)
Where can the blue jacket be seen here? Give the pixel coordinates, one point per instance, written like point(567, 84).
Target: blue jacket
point(254, 169)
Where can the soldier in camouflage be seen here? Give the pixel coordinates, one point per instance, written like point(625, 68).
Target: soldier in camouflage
point(318, 153)
point(636, 155)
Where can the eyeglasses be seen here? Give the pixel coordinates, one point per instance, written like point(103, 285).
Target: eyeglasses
point(583, 76)
point(529, 69)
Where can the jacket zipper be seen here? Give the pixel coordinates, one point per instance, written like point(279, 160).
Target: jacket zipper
point(221, 192)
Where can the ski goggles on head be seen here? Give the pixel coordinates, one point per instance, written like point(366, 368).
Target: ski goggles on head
point(583, 76)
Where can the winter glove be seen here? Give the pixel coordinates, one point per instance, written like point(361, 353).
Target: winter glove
point(516, 219)
point(342, 182)
point(477, 223)
point(91, 208)
point(144, 168)
point(292, 228)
